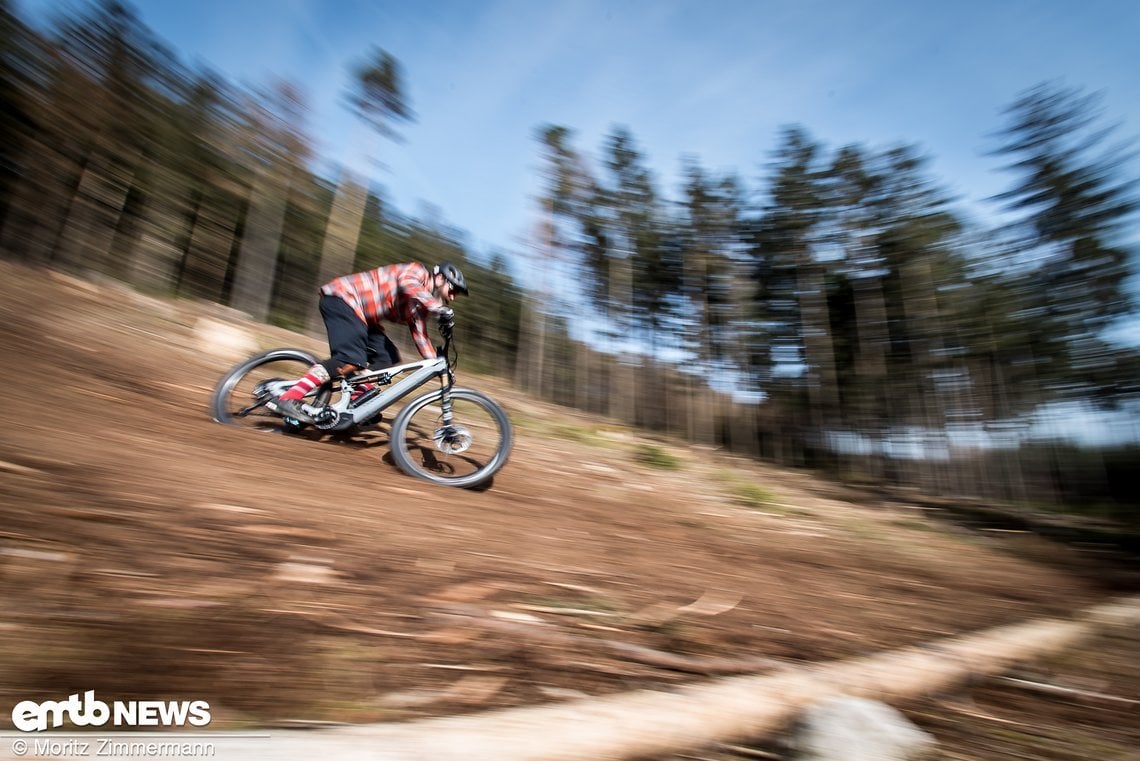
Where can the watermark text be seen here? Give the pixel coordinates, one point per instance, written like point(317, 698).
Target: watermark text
point(89, 711)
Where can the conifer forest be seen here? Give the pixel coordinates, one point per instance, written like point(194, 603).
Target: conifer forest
point(826, 307)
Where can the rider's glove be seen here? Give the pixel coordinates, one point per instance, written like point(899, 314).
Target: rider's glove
point(446, 323)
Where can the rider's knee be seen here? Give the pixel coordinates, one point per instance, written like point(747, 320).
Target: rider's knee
point(338, 369)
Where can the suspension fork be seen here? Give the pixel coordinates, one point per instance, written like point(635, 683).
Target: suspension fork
point(445, 398)
point(447, 381)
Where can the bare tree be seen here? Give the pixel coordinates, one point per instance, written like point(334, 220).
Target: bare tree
point(377, 99)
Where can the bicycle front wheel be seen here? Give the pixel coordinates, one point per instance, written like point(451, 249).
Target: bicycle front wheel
point(464, 454)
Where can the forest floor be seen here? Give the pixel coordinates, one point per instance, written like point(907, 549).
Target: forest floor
point(146, 550)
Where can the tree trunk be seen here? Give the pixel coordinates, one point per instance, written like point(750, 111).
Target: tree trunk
point(623, 392)
point(582, 375)
point(39, 204)
point(93, 216)
point(823, 384)
point(154, 260)
point(208, 256)
point(867, 412)
point(338, 254)
point(261, 240)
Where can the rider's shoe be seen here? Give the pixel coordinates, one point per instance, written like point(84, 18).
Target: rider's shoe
point(290, 409)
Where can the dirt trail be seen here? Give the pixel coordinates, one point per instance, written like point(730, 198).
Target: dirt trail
point(147, 550)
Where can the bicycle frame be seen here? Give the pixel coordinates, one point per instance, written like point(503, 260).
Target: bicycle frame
point(421, 372)
point(349, 414)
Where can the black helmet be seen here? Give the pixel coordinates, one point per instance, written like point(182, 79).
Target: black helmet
point(452, 274)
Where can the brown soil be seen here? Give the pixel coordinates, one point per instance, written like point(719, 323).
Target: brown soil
point(146, 550)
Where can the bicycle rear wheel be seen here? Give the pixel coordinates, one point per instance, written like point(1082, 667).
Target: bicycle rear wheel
point(240, 396)
point(465, 454)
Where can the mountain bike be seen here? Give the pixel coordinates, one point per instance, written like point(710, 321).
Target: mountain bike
point(451, 436)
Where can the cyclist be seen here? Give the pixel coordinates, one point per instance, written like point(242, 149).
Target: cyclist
point(354, 308)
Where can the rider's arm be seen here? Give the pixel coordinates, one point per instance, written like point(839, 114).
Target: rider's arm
point(415, 283)
point(418, 326)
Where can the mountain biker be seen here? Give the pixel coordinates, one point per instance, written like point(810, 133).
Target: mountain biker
point(354, 308)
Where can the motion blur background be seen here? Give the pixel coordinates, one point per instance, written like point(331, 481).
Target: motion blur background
point(834, 306)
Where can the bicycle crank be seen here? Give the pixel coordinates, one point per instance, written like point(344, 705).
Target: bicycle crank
point(328, 419)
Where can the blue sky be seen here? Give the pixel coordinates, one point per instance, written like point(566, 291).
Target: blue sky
point(712, 78)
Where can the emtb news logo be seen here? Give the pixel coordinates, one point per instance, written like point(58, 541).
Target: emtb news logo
point(30, 716)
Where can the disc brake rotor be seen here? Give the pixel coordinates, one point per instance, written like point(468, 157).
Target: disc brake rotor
point(264, 389)
point(453, 439)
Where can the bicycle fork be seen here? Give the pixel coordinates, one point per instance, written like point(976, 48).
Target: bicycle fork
point(450, 438)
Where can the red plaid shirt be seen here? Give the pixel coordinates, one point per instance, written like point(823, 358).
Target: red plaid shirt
point(398, 293)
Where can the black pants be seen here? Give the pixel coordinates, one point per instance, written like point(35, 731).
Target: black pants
point(351, 341)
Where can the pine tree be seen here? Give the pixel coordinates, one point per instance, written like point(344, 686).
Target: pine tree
point(1072, 262)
